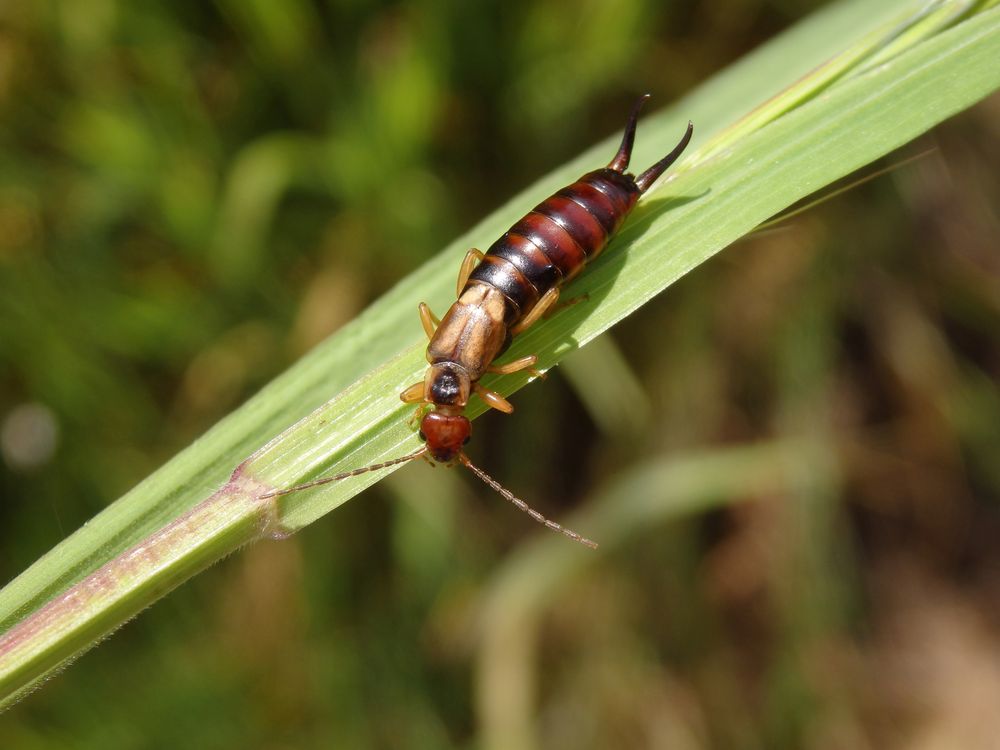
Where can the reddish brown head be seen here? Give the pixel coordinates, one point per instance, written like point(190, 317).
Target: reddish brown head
point(445, 434)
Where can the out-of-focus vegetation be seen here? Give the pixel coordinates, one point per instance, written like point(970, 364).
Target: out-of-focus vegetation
point(192, 195)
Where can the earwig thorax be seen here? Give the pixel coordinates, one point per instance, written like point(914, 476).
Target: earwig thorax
point(447, 384)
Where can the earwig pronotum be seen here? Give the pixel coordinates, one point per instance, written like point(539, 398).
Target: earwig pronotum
point(511, 287)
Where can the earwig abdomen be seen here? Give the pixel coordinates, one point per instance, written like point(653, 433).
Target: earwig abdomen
point(552, 240)
point(520, 292)
point(581, 225)
point(552, 244)
point(525, 254)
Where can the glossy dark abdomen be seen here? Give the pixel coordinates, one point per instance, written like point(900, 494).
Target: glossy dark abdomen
point(553, 243)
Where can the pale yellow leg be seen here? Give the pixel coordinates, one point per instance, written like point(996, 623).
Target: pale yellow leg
point(428, 319)
point(566, 303)
point(413, 393)
point(418, 415)
point(548, 299)
point(471, 258)
point(494, 399)
point(524, 363)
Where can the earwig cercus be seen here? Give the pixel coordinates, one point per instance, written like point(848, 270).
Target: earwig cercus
point(505, 291)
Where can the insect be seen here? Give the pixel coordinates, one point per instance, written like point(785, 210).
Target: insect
point(505, 291)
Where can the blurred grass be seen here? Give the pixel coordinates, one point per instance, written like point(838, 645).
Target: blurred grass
point(191, 196)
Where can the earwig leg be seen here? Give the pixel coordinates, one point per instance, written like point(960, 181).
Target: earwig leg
point(494, 400)
point(465, 271)
point(524, 363)
point(548, 299)
point(428, 319)
point(566, 303)
point(418, 414)
point(413, 393)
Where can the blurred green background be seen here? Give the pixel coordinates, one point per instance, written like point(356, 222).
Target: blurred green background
point(194, 194)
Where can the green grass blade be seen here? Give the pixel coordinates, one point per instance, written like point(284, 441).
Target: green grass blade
point(389, 326)
point(820, 129)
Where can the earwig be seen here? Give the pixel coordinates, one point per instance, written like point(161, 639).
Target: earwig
point(505, 291)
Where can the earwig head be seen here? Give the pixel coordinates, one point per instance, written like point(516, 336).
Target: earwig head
point(445, 434)
point(447, 384)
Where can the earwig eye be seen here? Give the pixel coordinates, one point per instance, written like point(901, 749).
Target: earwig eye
point(421, 435)
point(467, 439)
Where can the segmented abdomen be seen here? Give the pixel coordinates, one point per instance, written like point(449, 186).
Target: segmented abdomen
point(556, 239)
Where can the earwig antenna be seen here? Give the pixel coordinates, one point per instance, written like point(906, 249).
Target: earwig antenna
point(346, 474)
point(508, 495)
point(648, 177)
point(620, 162)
